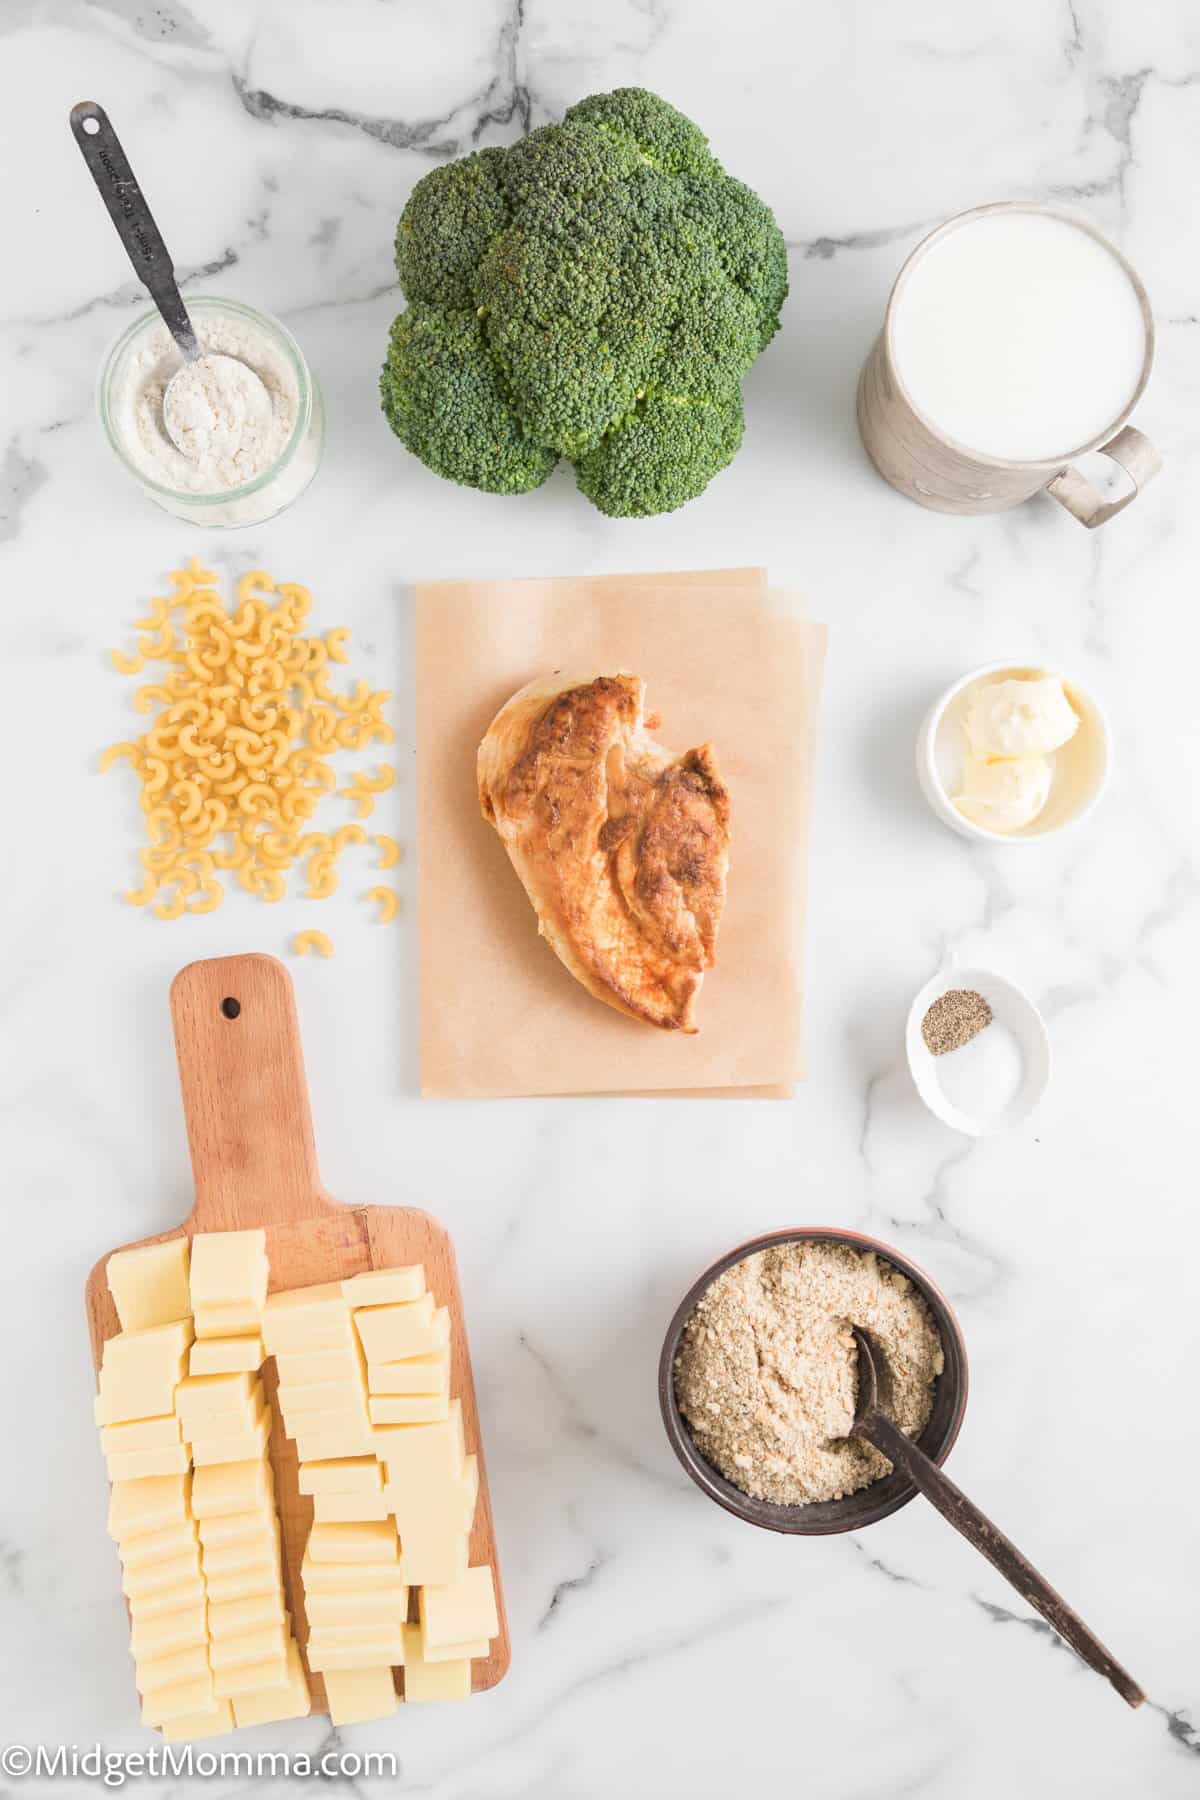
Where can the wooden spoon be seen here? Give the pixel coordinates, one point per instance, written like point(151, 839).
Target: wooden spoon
point(872, 1424)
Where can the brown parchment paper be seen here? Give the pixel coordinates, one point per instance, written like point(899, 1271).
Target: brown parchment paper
point(499, 1015)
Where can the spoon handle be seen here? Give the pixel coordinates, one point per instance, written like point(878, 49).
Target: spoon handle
point(1003, 1555)
point(135, 225)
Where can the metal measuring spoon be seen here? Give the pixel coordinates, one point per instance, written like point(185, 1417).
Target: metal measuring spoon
point(152, 265)
point(874, 1425)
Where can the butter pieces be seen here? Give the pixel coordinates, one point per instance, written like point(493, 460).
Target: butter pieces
point(356, 1695)
point(149, 1285)
point(385, 1287)
point(423, 1680)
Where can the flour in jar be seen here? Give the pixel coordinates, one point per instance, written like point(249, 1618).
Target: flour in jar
point(233, 412)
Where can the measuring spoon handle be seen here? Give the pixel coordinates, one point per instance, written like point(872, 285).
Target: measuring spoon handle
point(133, 219)
point(1000, 1551)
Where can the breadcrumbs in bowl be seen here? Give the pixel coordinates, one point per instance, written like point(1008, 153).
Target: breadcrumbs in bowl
point(757, 1377)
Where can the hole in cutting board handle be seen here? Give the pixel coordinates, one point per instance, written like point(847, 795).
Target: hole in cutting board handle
point(231, 1007)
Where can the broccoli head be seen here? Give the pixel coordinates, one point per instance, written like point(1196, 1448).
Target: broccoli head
point(596, 292)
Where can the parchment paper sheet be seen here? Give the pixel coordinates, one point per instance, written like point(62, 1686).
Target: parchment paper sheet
point(499, 1015)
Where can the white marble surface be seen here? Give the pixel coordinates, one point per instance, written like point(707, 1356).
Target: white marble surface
point(659, 1648)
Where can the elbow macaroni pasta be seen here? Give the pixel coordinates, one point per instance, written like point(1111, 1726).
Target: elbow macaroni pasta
point(304, 941)
point(241, 726)
point(388, 901)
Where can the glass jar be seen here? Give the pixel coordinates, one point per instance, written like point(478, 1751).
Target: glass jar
point(145, 351)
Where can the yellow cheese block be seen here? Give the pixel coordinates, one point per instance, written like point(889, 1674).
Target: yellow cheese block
point(357, 1608)
point(157, 1546)
point(177, 1702)
point(245, 1553)
point(308, 1318)
point(236, 1321)
point(346, 1578)
point(268, 1706)
point(234, 1618)
point(168, 1632)
point(165, 1671)
point(152, 1578)
point(226, 1355)
point(236, 1528)
point(432, 1681)
point(423, 1455)
point(372, 1541)
point(409, 1340)
point(245, 1584)
point(389, 1333)
point(409, 1409)
point(243, 1446)
point(356, 1695)
point(154, 1351)
point(184, 1597)
point(455, 1652)
point(415, 1375)
point(339, 1398)
point(335, 1446)
point(250, 1678)
point(142, 1434)
point(211, 1723)
point(135, 1465)
point(349, 1508)
point(344, 1475)
point(437, 1554)
point(229, 1267)
point(227, 1488)
point(297, 1368)
point(228, 1395)
point(149, 1285)
point(268, 1644)
point(149, 1504)
point(385, 1287)
point(125, 1398)
point(462, 1612)
point(384, 1649)
point(470, 1491)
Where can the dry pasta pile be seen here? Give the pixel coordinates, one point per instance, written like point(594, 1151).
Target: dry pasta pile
point(237, 757)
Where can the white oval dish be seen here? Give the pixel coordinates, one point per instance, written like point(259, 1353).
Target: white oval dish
point(1021, 1022)
point(1081, 768)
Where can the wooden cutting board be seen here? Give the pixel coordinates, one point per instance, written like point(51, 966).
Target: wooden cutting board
point(255, 1164)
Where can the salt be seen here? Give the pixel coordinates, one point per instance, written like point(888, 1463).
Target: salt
point(984, 1077)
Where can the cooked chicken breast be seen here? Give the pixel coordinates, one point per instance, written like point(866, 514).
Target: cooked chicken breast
point(622, 847)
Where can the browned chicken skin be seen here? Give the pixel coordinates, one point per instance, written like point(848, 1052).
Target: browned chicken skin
point(622, 847)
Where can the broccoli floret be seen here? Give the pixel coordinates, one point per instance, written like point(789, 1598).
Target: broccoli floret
point(443, 400)
point(662, 455)
point(596, 291)
point(452, 216)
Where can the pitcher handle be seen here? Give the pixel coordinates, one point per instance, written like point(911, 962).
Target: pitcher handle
point(1140, 461)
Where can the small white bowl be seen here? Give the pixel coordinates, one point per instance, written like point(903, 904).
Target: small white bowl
point(1081, 768)
point(1016, 1014)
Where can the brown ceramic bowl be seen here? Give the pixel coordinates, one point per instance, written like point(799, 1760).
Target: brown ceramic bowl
point(821, 1517)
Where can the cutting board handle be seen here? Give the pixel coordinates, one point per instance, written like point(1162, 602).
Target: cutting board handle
point(245, 1098)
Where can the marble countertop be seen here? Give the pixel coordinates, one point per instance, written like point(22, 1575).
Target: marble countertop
point(659, 1648)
